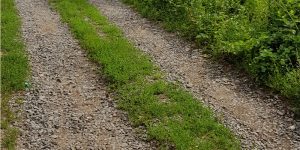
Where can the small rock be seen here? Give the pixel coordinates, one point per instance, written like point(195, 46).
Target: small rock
point(280, 113)
point(54, 136)
point(189, 85)
point(293, 127)
point(58, 80)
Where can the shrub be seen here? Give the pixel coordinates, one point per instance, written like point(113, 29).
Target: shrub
point(262, 34)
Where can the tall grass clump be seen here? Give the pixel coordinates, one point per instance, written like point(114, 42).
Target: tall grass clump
point(262, 34)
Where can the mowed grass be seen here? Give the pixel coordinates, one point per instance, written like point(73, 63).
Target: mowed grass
point(14, 68)
point(170, 114)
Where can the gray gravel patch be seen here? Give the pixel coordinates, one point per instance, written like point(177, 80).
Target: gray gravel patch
point(67, 106)
point(260, 118)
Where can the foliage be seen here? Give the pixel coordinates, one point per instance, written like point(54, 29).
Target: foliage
point(171, 115)
point(14, 68)
point(263, 36)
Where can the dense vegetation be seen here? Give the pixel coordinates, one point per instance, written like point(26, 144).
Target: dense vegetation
point(14, 68)
point(260, 36)
point(171, 115)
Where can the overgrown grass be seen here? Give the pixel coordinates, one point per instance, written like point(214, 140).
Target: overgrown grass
point(260, 36)
point(171, 115)
point(14, 68)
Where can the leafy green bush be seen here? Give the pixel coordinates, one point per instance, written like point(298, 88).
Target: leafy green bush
point(262, 34)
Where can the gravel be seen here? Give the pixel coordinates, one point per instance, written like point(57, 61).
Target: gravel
point(67, 105)
point(260, 118)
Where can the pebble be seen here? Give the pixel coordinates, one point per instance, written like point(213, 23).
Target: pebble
point(293, 127)
point(280, 113)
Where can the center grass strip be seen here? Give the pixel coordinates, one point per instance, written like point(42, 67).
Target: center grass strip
point(171, 115)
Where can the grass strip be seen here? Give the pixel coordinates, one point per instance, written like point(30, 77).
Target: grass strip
point(171, 115)
point(14, 68)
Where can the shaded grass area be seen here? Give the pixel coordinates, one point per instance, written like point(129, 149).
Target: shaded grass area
point(171, 115)
point(14, 68)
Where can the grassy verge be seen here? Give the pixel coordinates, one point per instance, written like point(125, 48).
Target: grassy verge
point(14, 68)
point(171, 115)
point(261, 37)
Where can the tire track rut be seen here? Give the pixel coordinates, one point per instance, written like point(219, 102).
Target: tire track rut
point(67, 106)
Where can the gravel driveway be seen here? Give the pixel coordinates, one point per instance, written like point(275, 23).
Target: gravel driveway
point(260, 118)
point(67, 106)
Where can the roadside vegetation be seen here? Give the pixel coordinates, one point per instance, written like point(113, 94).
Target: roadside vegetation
point(259, 36)
point(170, 114)
point(14, 69)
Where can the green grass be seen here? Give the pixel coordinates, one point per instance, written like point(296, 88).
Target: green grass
point(260, 37)
point(14, 68)
point(171, 115)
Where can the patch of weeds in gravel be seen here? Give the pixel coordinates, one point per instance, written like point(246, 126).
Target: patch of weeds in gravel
point(171, 115)
point(14, 69)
